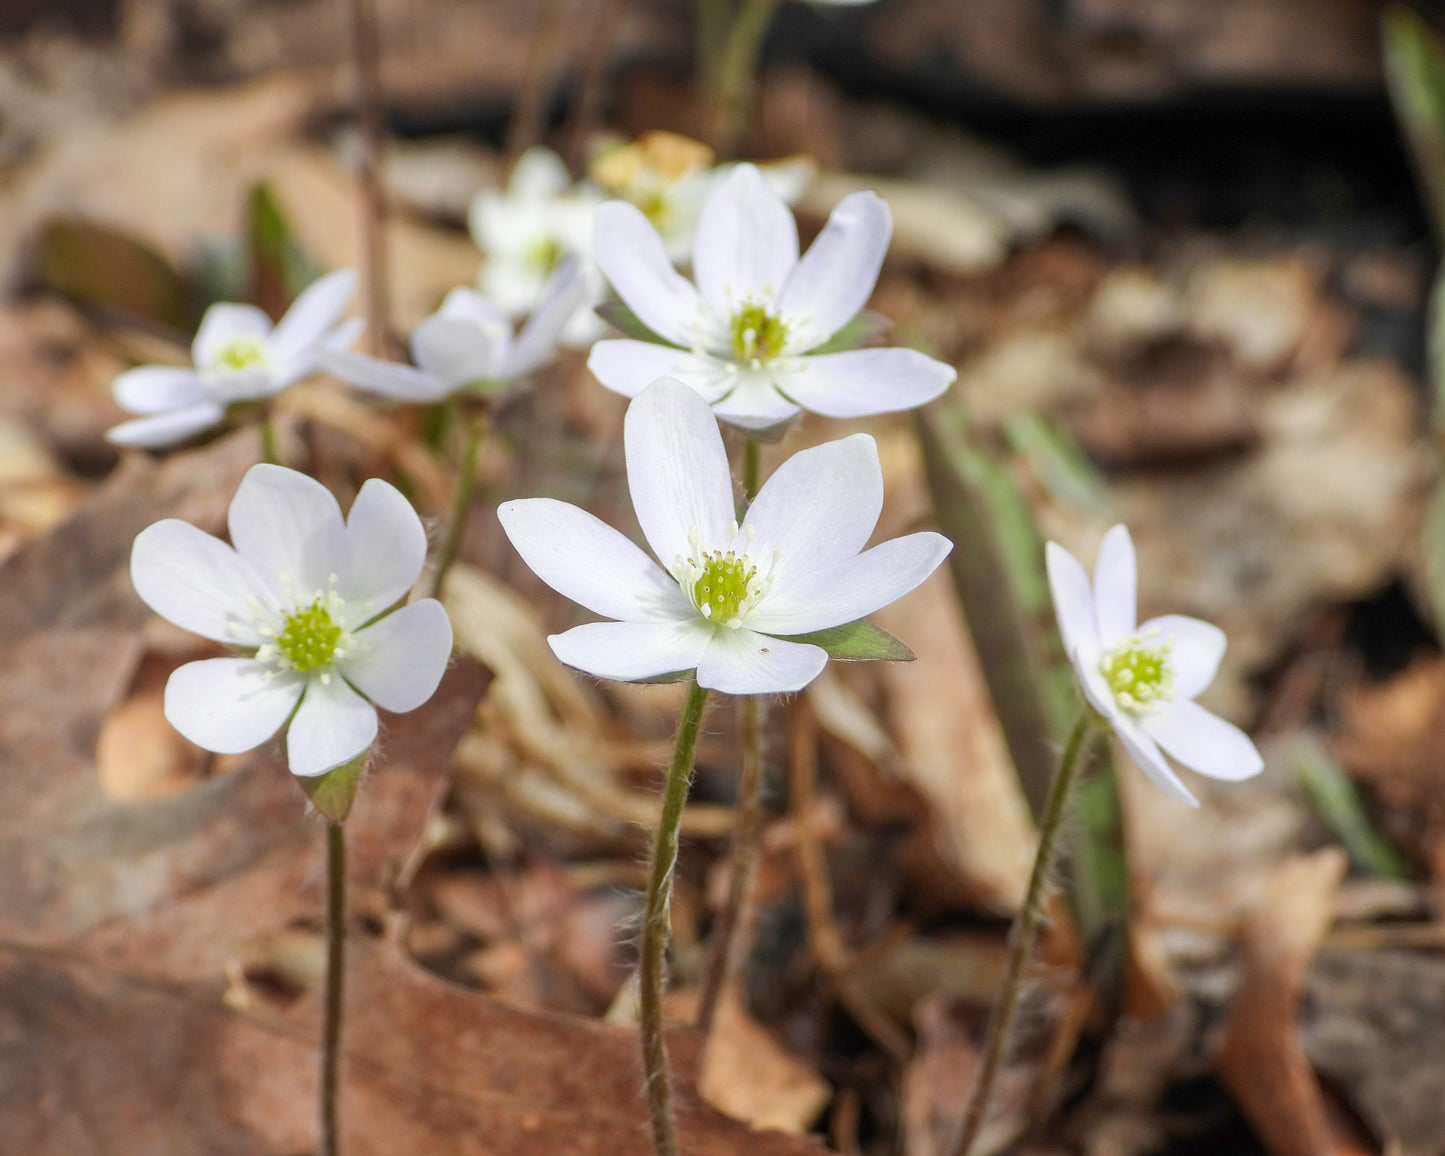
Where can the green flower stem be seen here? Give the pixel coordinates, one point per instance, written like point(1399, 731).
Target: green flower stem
point(269, 452)
point(735, 76)
point(656, 924)
point(335, 964)
point(733, 928)
point(1025, 929)
point(466, 489)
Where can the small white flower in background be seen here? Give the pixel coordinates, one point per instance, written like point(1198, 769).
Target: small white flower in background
point(311, 600)
point(526, 229)
point(727, 597)
point(468, 344)
point(742, 337)
point(238, 356)
point(1143, 679)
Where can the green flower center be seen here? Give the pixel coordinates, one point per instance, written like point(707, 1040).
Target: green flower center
point(310, 638)
point(721, 592)
point(655, 207)
point(757, 334)
point(241, 353)
point(545, 253)
point(1140, 676)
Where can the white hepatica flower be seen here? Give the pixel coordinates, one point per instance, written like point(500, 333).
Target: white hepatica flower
point(1143, 679)
point(468, 344)
point(727, 597)
point(238, 356)
point(526, 229)
point(309, 597)
point(742, 337)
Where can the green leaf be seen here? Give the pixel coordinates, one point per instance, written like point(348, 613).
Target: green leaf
point(617, 315)
point(857, 642)
point(861, 330)
point(1415, 70)
point(1058, 463)
point(280, 267)
point(661, 679)
point(333, 793)
point(1338, 804)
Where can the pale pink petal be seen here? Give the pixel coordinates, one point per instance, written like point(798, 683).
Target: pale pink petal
point(290, 526)
point(229, 705)
point(332, 726)
point(677, 471)
point(313, 314)
point(836, 276)
point(861, 382)
point(635, 260)
point(385, 550)
point(628, 367)
point(586, 560)
point(746, 243)
point(151, 389)
point(745, 662)
point(1195, 650)
point(1073, 604)
point(399, 382)
point(1148, 758)
point(166, 429)
point(399, 660)
point(1115, 577)
point(1203, 742)
point(633, 651)
point(200, 583)
point(223, 324)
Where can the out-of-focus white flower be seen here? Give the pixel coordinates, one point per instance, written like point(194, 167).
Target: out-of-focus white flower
point(744, 336)
point(729, 601)
point(1142, 680)
point(238, 356)
point(468, 345)
point(311, 601)
point(526, 229)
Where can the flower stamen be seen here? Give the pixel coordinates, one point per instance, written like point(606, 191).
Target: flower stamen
point(758, 335)
point(241, 353)
point(1140, 676)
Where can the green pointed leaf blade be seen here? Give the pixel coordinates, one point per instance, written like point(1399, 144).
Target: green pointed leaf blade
point(1415, 72)
point(617, 315)
point(861, 330)
point(857, 642)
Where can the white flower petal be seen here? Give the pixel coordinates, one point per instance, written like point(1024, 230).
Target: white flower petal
point(635, 260)
point(861, 382)
point(1195, 650)
point(539, 173)
point(1115, 577)
point(854, 588)
point(166, 429)
point(1073, 605)
point(149, 389)
point(465, 304)
point(746, 243)
point(628, 367)
point(586, 560)
point(677, 470)
point(1148, 758)
point(229, 705)
point(819, 508)
point(400, 660)
point(333, 725)
point(563, 295)
point(754, 404)
point(313, 314)
point(199, 583)
point(836, 276)
point(400, 382)
point(630, 651)
point(290, 526)
point(385, 549)
point(455, 351)
point(745, 662)
point(1202, 741)
point(223, 324)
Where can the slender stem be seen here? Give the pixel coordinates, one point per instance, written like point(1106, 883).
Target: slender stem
point(376, 270)
point(335, 966)
point(462, 500)
point(711, 19)
point(734, 922)
point(586, 108)
point(529, 114)
point(1025, 928)
point(656, 924)
point(735, 76)
point(269, 452)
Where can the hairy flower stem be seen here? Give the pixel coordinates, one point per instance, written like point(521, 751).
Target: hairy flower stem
point(1025, 930)
point(267, 430)
point(735, 75)
point(335, 964)
point(656, 924)
point(733, 928)
point(476, 422)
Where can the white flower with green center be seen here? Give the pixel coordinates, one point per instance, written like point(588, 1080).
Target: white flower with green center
point(526, 229)
point(1142, 680)
point(729, 600)
point(468, 345)
point(238, 356)
point(311, 602)
point(744, 337)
